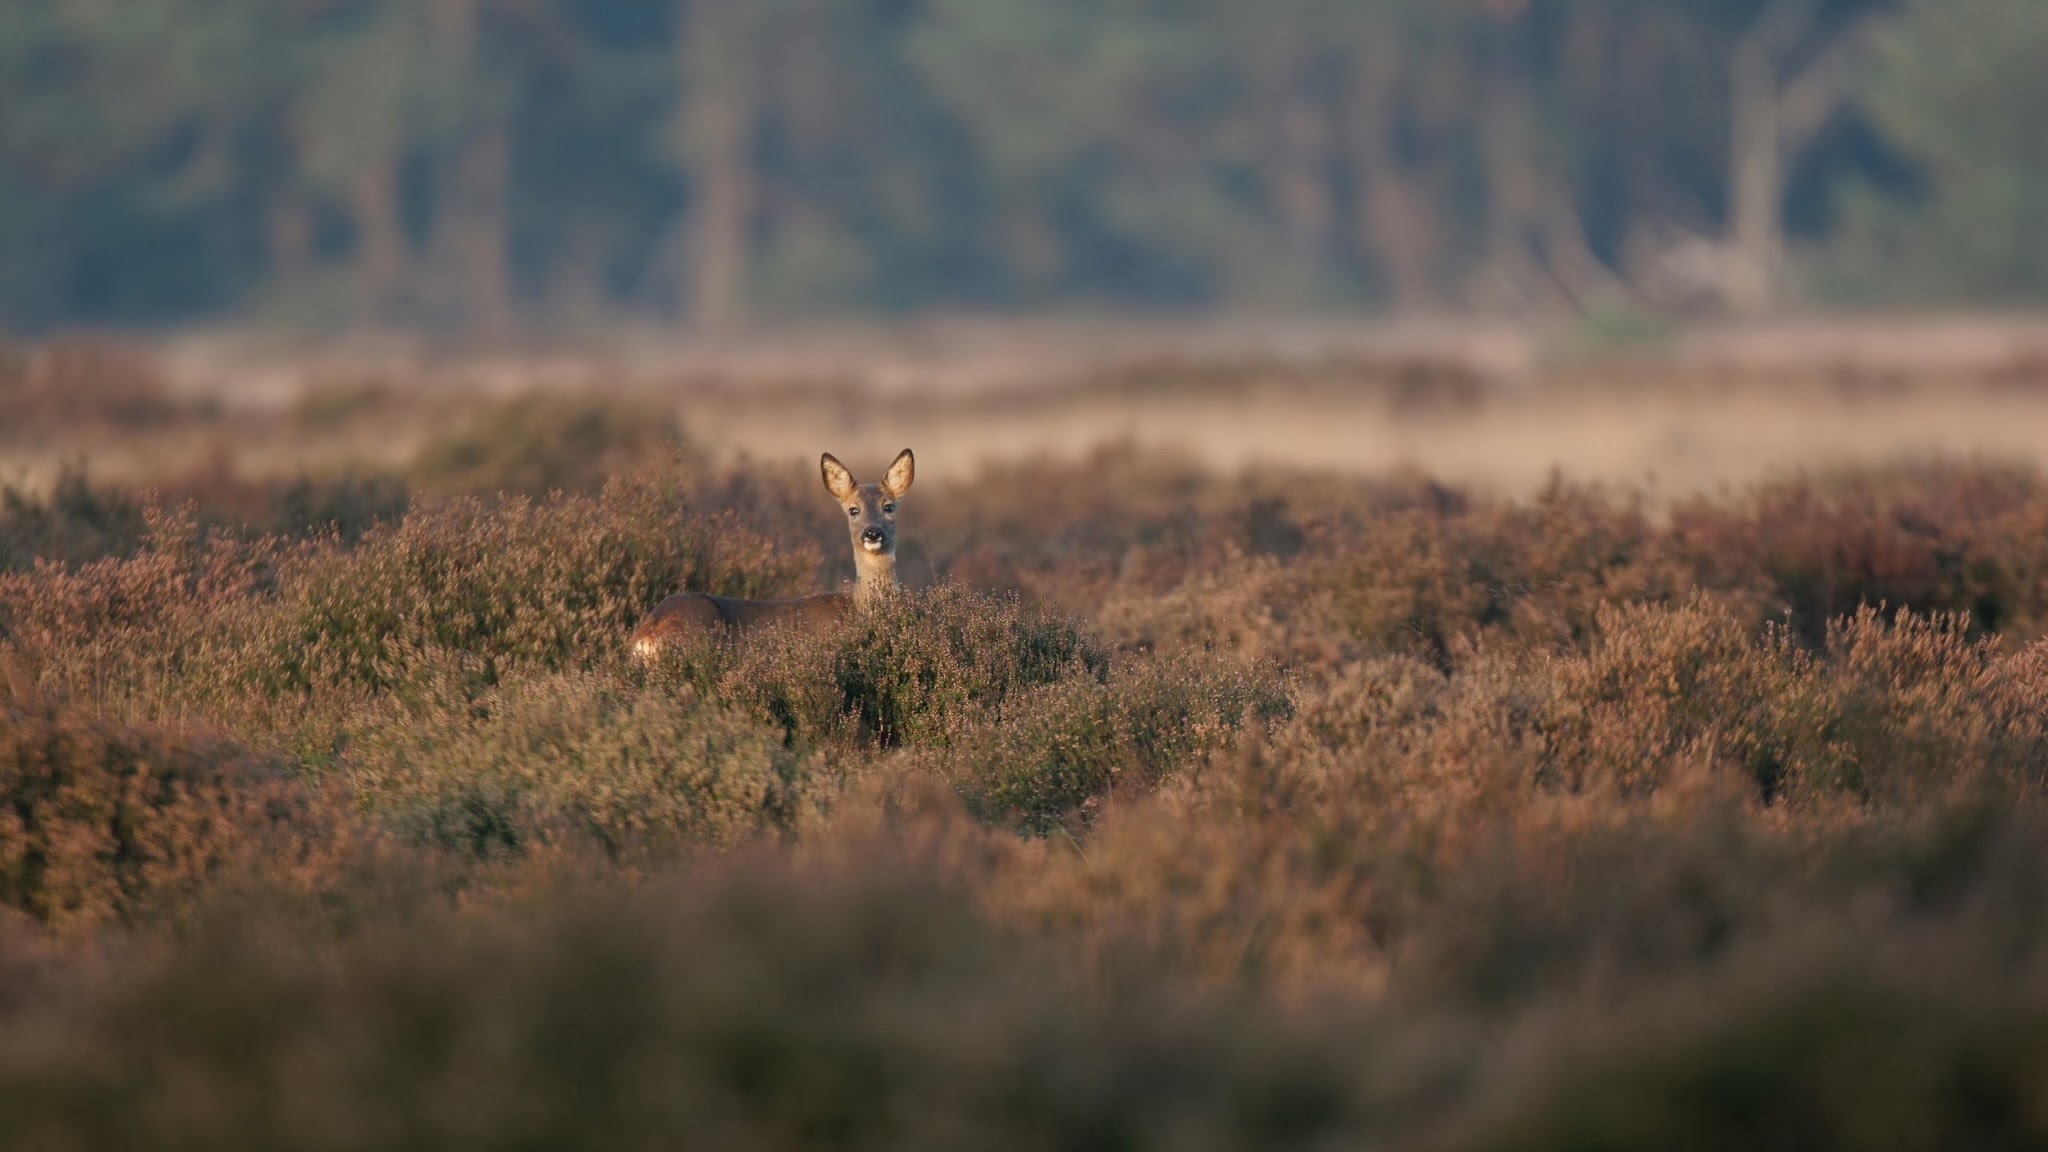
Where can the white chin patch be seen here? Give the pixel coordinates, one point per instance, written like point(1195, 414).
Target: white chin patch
point(871, 545)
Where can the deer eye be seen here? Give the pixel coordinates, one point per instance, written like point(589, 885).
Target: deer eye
point(853, 512)
point(889, 508)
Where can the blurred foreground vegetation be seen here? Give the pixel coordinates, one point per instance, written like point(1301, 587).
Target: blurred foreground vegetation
point(1170, 810)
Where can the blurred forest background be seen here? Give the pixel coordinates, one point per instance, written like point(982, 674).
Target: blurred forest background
point(503, 166)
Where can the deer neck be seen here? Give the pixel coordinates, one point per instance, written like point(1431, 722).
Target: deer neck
point(874, 580)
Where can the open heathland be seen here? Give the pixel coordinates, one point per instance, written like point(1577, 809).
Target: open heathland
point(1168, 807)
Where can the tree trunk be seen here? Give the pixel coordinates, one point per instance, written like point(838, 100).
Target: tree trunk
point(1396, 228)
point(473, 221)
point(576, 292)
point(1757, 181)
point(482, 191)
point(1774, 116)
point(289, 229)
point(716, 121)
point(380, 240)
point(1568, 255)
point(1510, 275)
point(1300, 181)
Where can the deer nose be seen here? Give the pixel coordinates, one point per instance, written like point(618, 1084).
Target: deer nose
point(871, 534)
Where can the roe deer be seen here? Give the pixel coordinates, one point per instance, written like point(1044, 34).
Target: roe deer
point(871, 522)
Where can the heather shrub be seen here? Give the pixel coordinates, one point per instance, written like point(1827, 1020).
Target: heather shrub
point(1120, 522)
point(1547, 898)
point(1052, 752)
point(1236, 613)
point(1437, 574)
point(1225, 876)
point(75, 523)
point(553, 584)
point(347, 506)
point(140, 629)
point(79, 522)
point(1266, 870)
point(331, 403)
point(1824, 1051)
point(1384, 817)
point(541, 443)
point(917, 670)
point(295, 507)
point(1661, 687)
point(923, 667)
point(102, 821)
point(785, 504)
point(571, 759)
point(1436, 578)
point(1890, 712)
point(1926, 709)
point(1933, 539)
point(746, 1007)
point(1066, 532)
point(285, 639)
point(1703, 983)
point(1399, 732)
point(72, 385)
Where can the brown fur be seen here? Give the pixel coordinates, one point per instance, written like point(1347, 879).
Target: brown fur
point(871, 529)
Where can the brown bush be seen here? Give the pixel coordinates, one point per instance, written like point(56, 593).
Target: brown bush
point(1536, 777)
point(1642, 985)
point(919, 669)
point(552, 584)
point(541, 443)
point(73, 385)
point(101, 821)
point(567, 760)
point(1440, 575)
point(750, 1006)
point(122, 629)
point(295, 507)
point(1824, 1051)
point(76, 523)
point(1412, 569)
point(1932, 539)
point(1051, 753)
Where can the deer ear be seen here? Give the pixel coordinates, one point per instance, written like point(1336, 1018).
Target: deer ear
point(897, 482)
point(838, 480)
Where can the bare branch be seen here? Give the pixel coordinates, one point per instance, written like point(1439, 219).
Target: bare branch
point(1810, 99)
point(1780, 28)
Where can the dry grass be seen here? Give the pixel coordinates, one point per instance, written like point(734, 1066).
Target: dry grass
point(1498, 410)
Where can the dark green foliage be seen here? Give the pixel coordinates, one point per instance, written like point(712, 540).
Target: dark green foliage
point(390, 161)
point(1949, 86)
